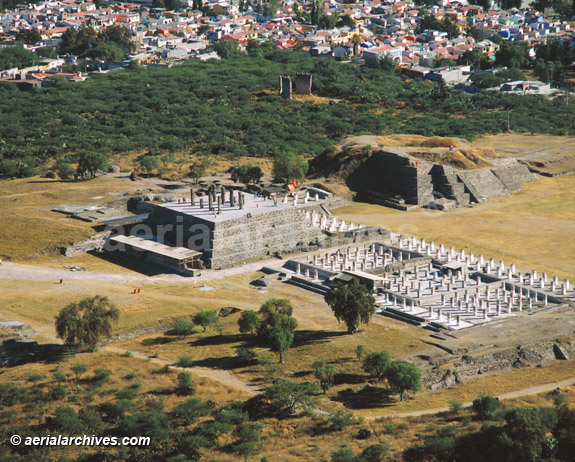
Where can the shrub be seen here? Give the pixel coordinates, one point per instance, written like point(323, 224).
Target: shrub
point(58, 392)
point(101, 376)
point(246, 355)
point(343, 455)
point(185, 383)
point(359, 352)
point(341, 419)
point(373, 453)
point(185, 362)
point(485, 407)
point(363, 433)
point(127, 393)
point(455, 406)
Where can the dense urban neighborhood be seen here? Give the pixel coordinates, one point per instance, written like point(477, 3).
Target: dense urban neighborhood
point(460, 44)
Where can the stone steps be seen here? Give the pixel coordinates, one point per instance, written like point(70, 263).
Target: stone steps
point(483, 185)
point(308, 285)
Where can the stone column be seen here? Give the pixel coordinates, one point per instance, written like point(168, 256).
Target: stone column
point(210, 203)
point(220, 204)
point(201, 202)
point(192, 196)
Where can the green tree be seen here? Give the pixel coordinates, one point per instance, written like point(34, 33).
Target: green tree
point(199, 167)
point(31, 36)
point(167, 158)
point(185, 383)
point(376, 364)
point(289, 165)
point(247, 174)
point(485, 406)
point(85, 322)
point(64, 170)
point(78, 370)
point(286, 396)
point(324, 373)
point(206, 319)
point(442, 61)
point(441, 91)
point(227, 49)
point(185, 361)
point(404, 376)
point(184, 327)
point(356, 42)
point(249, 437)
point(16, 56)
point(339, 420)
point(487, 80)
point(276, 329)
point(511, 54)
point(281, 305)
point(351, 303)
point(248, 322)
point(192, 409)
point(149, 164)
point(91, 163)
point(359, 352)
point(173, 5)
point(386, 63)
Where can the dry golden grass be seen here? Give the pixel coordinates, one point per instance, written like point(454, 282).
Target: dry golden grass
point(29, 230)
point(150, 376)
point(501, 383)
point(422, 141)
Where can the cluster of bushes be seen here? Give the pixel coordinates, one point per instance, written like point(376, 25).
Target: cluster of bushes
point(516, 435)
point(225, 108)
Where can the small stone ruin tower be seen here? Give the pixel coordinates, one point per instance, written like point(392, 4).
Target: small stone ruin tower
point(301, 85)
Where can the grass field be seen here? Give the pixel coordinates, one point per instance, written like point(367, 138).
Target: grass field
point(29, 230)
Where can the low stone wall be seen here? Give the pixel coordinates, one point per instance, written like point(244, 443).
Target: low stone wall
point(470, 365)
point(95, 242)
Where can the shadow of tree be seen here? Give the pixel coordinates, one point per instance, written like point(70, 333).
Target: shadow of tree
point(213, 340)
point(162, 340)
point(368, 397)
point(311, 337)
point(16, 352)
point(227, 363)
point(349, 378)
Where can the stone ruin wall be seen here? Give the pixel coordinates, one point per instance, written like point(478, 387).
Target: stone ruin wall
point(285, 88)
point(263, 235)
point(403, 176)
point(303, 84)
point(417, 181)
point(300, 86)
point(529, 355)
point(282, 231)
point(95, 242)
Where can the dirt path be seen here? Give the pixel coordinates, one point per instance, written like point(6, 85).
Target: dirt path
point(16, 271)
point(225, 377)
point(510, 395)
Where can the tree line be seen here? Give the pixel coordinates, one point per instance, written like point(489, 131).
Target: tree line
point(230, 108)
